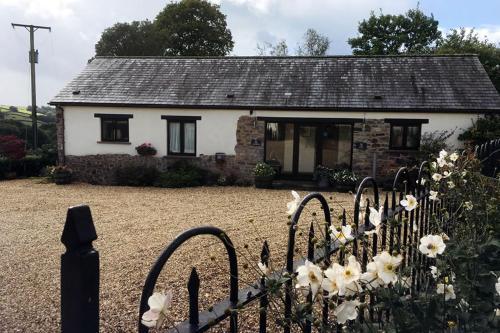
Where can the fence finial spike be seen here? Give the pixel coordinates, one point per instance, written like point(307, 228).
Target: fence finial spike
point(194, 280)
point(79, 227)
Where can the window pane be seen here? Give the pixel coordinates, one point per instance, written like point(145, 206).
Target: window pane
point(107, 130)
point(279, 146)
point(121, 130)
point(336, 143)
point(174, 132)
point(413, 137)
point(397, 136)
point(189, 138)
point(307, 149)
point(275, 131)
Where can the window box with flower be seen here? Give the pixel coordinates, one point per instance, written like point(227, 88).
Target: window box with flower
point(146, 149)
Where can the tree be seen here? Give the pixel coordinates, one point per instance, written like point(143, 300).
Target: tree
point(12, 147)
point(314, 44)
point(185, 28)
point(280, 49)
point(482, 130)
point(411, 33)
point(138, 38)
point(461, 41)
point(193, 28)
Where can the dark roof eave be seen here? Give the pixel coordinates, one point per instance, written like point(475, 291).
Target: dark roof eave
point(279, 108)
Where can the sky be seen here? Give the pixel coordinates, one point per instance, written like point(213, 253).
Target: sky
point(77, 25)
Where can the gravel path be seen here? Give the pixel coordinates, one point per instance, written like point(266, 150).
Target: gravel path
point(133, 226)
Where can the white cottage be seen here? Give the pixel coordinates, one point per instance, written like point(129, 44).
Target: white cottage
point(227, 113)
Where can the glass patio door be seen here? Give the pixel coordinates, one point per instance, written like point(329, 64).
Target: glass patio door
point(295, 149)
point(306, 159)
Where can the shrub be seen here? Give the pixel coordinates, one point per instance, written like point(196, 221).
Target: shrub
point(323, 172)
point(12, 147)
point(242, 182)
point(48, 172)
point(263, 170)
point(146, 149)
point(30, 165)
point(48, 154)
point(210, 178)
point(481, 131)
point(136, 176)
point(180, 178)
point(343, 177)
point(5, 166)
point(433, 142)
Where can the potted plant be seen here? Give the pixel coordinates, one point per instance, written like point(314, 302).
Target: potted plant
point(146, 149)
point(322, 175)
point(344, 180)
point(264, 175)
point(62, 175)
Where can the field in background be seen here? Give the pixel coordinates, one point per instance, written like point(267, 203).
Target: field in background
point(23, 115)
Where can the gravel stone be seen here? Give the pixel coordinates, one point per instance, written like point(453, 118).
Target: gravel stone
point(133, 226)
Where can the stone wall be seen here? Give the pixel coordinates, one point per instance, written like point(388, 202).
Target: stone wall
point(100, 169)
point(249, 148)
point(371, 146)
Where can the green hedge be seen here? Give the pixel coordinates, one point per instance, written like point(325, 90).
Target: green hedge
point(28, 166)
point(180, 174)
point(136, 176)
point(5, 166)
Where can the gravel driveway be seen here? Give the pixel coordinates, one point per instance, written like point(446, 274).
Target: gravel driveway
point(133, 226)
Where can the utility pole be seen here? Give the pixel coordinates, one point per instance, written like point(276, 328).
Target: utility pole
point(33, 58)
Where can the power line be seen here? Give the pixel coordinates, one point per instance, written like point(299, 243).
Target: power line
point(33, 59)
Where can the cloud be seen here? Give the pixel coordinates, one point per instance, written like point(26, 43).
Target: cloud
point(46, 9)
point(488, 32)
point(253, 22)
point(262, 6)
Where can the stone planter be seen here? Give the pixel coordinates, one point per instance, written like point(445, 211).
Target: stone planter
point(323, 182)
point(264, 181)
point(62, 177)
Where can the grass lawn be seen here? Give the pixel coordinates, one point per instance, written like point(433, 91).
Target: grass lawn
point(133, 226)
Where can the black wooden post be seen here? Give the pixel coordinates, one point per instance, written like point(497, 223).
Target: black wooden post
point(79, 274)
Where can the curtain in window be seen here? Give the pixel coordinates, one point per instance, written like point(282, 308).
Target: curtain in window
point(175, 137)
point(189, 138)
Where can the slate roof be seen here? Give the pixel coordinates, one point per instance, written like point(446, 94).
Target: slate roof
point(416, 83)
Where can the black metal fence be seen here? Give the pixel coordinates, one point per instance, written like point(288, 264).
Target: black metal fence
point(400, 231)
point(489, 155)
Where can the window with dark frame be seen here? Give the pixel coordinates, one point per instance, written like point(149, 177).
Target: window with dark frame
point(181, 135)
point(405, 136)
point(114, 127)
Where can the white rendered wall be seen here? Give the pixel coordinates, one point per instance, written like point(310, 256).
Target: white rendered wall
point(216, 131)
